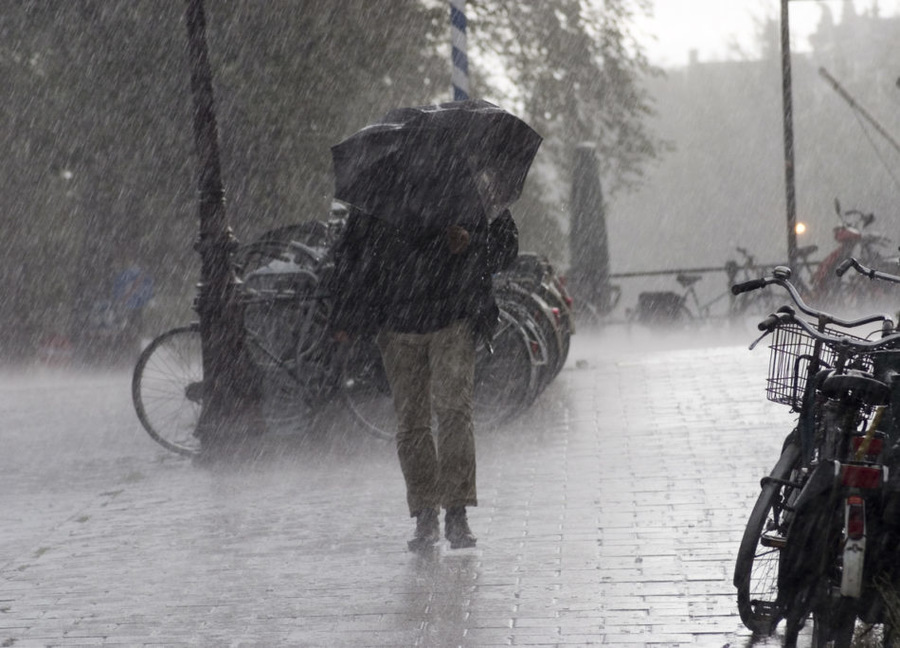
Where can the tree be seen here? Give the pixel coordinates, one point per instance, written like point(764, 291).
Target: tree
point(99, 167)
point(578, 72)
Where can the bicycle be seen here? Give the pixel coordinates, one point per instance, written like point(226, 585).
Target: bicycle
point(669, 308)
point(822, 538)
point(296, 362)
point(300, 367)
point(854, 239)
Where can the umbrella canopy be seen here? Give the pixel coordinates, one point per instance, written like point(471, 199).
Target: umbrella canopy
point(411, 166)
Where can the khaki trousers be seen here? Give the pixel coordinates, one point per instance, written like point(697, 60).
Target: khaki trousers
point(432, 377)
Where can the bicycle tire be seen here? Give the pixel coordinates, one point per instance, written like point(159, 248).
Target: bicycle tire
point(808, 568)
point(757, 565)
point(167, 389)
point(833, 628)
point(506, 380)
point(567, 321)
point(543, 317)
point(289, 319)
point(365, 390)
point(538, 348)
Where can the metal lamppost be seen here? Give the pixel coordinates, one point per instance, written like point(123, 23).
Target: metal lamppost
point(230, 412)
point(788, 117)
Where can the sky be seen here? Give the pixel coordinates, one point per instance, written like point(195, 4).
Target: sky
point(722, 29)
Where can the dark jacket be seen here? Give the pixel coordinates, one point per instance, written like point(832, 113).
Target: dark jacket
point(408, 281)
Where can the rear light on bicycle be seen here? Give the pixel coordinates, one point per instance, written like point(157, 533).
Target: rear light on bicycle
point(855, 519)
point(856, 476)
point(556, 316)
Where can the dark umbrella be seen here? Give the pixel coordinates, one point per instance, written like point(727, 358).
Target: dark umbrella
point(415, 161)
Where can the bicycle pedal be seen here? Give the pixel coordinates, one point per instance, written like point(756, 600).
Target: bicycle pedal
point(773, 540)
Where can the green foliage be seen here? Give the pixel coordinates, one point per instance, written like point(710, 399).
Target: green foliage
point(578, 72)
point(99, 168)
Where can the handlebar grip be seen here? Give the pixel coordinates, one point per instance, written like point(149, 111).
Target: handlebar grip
point(769, 323)
point(845, 265)
point(747, 286)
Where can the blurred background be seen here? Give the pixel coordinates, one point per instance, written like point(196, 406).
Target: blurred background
point(681, 100)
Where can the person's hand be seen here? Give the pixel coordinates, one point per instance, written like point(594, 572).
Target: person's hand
point(457, 239)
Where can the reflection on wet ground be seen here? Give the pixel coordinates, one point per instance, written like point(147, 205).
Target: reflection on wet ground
point(609, 513)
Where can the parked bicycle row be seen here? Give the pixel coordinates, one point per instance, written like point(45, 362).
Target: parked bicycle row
point(302, 370)
point(823, 539)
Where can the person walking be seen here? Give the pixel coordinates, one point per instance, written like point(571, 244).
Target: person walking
point(427, 298)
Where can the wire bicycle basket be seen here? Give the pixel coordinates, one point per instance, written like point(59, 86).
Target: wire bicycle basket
point(791, 352)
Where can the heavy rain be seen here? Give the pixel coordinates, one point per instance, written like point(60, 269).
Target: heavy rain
point(197, 454)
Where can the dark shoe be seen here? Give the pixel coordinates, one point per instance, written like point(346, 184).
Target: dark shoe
point(456, 528)
point(428, 530)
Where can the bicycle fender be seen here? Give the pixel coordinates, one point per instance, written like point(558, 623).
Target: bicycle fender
point(824, 478)
point(806, 424)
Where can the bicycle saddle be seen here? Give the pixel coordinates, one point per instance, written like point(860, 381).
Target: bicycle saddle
point(858, 384)
point(687, 280)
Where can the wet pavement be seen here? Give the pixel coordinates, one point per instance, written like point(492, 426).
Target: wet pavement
point(610, 513)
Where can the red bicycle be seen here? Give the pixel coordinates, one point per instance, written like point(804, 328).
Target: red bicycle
point(854, 239)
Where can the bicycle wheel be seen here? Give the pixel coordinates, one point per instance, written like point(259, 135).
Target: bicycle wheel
point(536, 349)
point(757, 565)
point(566, 320)
point(506, 380)
point(287, 325)
point(365, 390)
point(167, 389)
point(809, 577)
point(833, 628)
point(548, 322)
point(813, 585)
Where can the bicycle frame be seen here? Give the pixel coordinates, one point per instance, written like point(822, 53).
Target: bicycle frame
point(852, 237)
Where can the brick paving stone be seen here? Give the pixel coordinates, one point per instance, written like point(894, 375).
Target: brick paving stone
point(611, 512)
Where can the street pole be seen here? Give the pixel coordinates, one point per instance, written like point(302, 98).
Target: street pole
point(788, 116)
point(230, 411)
point(459, 75)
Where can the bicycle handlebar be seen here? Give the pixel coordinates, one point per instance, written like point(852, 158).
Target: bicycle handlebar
point(860, 346)
point(781, 277)
point(845, 265)
point(747, 286)
point(865, 271)
point(770, 323)
point(864, 218)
